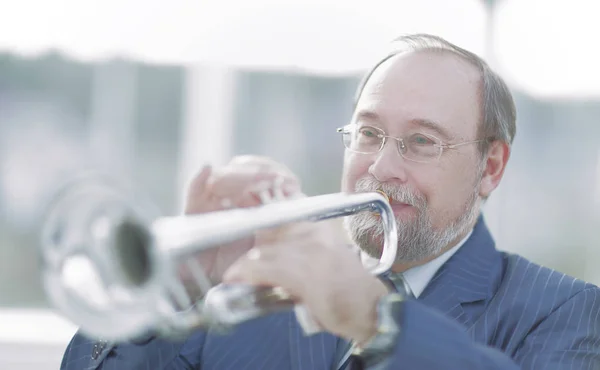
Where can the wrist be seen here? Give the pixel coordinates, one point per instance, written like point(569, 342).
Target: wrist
point(370, 325)
point(381, 344)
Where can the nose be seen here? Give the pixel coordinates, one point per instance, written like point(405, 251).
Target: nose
point(389, 165)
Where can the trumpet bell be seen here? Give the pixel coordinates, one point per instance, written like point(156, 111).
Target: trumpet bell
point(81, 238)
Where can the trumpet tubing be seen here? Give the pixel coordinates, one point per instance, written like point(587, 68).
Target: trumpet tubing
point(113, 269)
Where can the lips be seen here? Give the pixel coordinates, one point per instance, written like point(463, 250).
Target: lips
point(398, 207)
point(393, 202)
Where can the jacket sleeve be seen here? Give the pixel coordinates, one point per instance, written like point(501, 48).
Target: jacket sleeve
point(569, 338)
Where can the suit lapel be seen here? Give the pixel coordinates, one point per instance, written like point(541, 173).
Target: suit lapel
point(96, 360)
point(467, 277)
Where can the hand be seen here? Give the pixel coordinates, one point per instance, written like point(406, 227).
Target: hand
point(236, 185)
point(314, 265)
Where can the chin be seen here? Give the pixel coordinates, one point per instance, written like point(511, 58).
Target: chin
point(406, 216)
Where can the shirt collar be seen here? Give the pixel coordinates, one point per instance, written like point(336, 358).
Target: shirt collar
point(418, 277)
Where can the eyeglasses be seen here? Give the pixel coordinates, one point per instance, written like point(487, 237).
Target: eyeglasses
point(417, 147)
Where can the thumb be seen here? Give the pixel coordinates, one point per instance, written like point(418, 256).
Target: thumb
point(197, 192)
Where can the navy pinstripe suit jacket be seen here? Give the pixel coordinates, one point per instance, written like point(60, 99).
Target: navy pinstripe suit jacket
point(484, 309)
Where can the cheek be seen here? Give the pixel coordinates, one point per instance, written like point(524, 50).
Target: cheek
point(448, 194)
point(355, 168)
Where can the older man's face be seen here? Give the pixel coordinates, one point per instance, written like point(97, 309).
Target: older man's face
point(436, 95)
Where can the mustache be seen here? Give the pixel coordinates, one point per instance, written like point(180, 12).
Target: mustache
point(398, 193)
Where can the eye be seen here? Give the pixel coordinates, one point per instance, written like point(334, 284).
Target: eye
point(368, 132)
point(420, 139)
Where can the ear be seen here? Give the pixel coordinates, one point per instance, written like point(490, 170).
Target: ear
point(497, 157)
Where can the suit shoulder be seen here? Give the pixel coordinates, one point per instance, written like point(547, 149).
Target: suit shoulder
point(77, 353)
point(531, 296)
point(533, 281)
point(519, 268)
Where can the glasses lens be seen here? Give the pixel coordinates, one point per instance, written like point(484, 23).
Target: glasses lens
point(363, 139)
point(421, 148)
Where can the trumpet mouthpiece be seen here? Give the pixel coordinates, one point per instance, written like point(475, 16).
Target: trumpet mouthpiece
point(384, 194)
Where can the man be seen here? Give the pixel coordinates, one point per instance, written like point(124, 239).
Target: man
point(432, 129)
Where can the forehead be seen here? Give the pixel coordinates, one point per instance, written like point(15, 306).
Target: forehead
point(420, 89)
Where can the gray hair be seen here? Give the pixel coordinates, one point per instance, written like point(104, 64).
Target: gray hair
point(498, 121)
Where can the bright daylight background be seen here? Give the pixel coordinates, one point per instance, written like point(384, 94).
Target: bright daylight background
point(150, 90)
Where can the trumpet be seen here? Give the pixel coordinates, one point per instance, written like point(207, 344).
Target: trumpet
point(111, 265)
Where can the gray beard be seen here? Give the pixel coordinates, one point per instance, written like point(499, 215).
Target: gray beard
point(417, 239)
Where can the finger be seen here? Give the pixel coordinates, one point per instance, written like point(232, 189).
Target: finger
point(270, 192)
point(224, 190)
point(199, 181)
point(279, 236)
point(243, 269)
point(234, 178)
point(243, 172)
point(261, 190)
point(262, 163)
point(257, 165)
point(278, 193)
point(197, 191)
point(267, 267)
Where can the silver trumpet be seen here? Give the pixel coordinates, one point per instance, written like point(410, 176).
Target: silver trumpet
point(112, 267)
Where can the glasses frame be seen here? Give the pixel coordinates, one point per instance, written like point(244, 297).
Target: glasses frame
point(401, 145)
